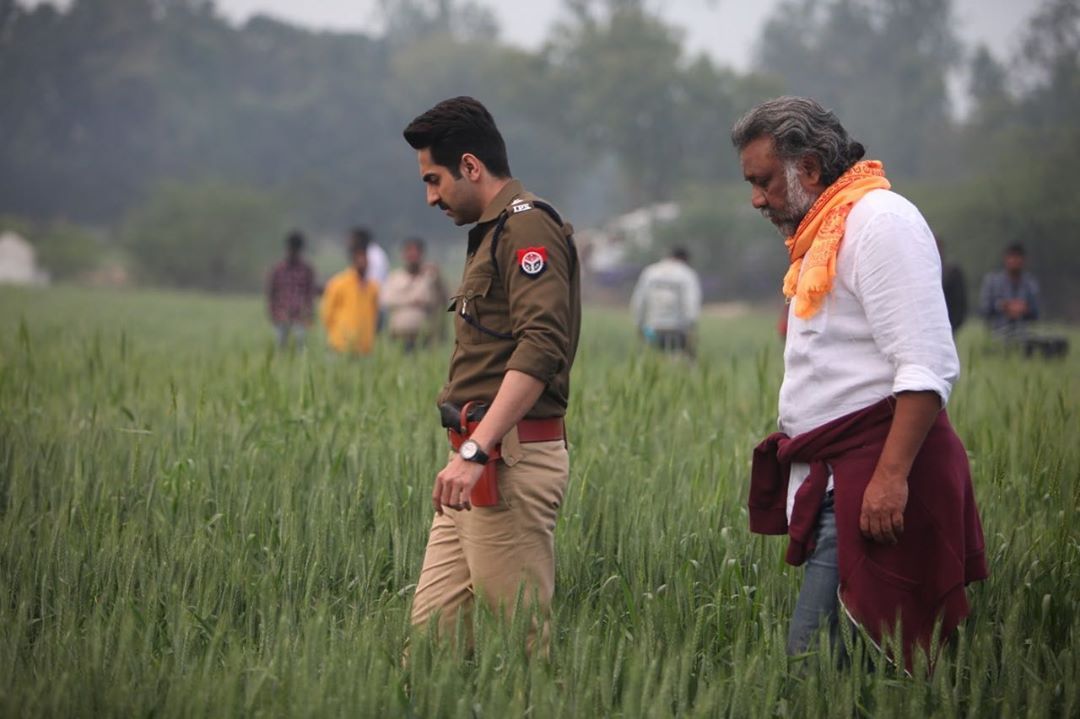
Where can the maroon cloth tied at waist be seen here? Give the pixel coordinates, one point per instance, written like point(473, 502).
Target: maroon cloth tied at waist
point(922, 577)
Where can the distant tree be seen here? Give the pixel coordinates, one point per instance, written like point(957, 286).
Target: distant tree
point(710, 99)
point(992, 124)
point(8, 10)
point(988, 87)
point(1050, 63)
point(67, 250)
point(1022, 144)
point(210, 235)
point(620, 69)
point(881, 64)
point(104, 98)
point(407, 21)
point(628, 91)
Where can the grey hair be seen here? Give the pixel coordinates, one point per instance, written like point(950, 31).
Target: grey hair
point(800, 126)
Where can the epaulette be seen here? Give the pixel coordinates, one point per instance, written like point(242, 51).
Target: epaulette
point(518, 206)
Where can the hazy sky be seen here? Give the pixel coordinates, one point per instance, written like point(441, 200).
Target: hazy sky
point(725, 29)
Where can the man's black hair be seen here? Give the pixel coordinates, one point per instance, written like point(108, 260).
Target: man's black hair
point(359, 239)
point(294, 241)
point(415, 242)
point(1015, 249)
point(680, 253)
point(455, 127)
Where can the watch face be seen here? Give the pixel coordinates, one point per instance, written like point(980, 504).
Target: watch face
point(469, 449)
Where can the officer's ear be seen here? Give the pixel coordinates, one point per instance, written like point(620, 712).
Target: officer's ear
point(471, 167)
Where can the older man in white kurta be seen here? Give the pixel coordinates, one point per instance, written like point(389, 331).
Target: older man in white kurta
point(868, 368)
point(883, 330)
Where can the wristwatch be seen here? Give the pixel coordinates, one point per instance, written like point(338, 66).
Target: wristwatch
point(470, 451)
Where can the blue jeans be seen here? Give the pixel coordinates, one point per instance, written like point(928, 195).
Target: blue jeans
point(817, 604)
point(283, 329)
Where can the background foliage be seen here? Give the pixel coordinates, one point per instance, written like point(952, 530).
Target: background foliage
point(209, 236)
point(107, 99)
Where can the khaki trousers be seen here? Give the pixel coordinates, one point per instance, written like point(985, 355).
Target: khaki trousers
point(500, 552)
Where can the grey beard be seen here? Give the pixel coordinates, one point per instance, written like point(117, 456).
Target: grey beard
point(784, 227)
point(799, 203)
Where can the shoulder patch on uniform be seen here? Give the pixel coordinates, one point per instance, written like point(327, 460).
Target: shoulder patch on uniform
point(520, 206)
point(532, 261)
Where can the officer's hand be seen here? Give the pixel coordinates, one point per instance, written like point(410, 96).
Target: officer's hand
point(454, 484)
point(882, 515)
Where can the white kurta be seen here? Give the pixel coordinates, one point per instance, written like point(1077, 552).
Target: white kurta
point(883, 329)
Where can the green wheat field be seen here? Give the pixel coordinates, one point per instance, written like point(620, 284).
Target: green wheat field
point(194, 525)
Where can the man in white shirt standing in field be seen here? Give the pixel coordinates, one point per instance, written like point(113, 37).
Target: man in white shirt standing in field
point(414, 297)
point(666, 302)
point(866, 475)
point(378, 264)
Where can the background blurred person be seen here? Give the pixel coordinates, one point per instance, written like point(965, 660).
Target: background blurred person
point(954, 285)
point(1009, 301)
point(350, 306)
point(378, 266)
point(413, 296)
point(781, 322)
point(1009, 298)
point(290, 292)
point(377, 259)
point(666, 302)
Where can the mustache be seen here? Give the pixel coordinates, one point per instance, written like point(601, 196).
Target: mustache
point(777, 218)
point(443, 206)
point(782, 221)
point(781, 216)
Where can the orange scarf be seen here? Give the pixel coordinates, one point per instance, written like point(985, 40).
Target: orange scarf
point(817, 239)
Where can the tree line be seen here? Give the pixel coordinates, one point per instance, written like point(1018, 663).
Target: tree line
point(116, 112)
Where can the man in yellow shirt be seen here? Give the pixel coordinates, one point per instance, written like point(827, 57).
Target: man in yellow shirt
point(350, 305)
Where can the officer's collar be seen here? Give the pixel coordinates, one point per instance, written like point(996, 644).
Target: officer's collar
point(510, 190)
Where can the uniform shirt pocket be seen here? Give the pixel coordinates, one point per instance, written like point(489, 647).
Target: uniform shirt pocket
point(478, 315)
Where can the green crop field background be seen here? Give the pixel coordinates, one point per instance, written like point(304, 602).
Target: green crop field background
point(194, 525)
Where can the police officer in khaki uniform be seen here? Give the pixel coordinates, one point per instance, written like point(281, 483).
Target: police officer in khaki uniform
point(517, 315)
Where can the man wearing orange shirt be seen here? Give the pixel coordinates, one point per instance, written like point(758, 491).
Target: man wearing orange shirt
point(350, 306)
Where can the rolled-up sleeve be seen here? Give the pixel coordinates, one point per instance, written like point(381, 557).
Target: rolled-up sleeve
point(898, 282)
point(539, 303)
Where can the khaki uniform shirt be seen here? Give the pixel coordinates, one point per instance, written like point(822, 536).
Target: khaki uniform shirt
point(519, 310)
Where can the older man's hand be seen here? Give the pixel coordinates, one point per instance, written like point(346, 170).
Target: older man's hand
point(882, 515)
